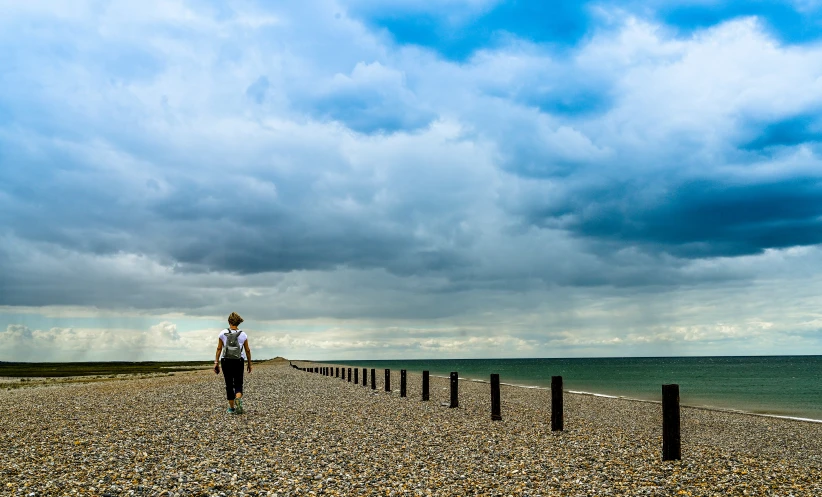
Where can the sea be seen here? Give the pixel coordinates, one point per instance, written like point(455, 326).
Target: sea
point(783, 386)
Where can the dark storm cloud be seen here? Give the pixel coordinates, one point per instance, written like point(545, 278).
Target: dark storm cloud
point(292, 247)
point(695, 219)
point(211, 227)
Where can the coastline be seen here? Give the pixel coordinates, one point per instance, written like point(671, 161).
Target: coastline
point(634, 399)
point(751, 412)
point(305, 433)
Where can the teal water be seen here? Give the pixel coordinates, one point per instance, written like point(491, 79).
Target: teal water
point(778, 385)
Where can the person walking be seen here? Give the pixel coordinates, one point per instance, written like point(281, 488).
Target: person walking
point(232, 352)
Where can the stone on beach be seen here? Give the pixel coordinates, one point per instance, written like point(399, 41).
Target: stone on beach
point(306, 434)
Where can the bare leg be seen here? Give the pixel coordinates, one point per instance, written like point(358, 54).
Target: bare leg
point(231, 404)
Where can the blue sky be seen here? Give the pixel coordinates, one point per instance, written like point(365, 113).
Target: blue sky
point(455, 178)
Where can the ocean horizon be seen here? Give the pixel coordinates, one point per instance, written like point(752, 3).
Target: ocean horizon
point(784, 386)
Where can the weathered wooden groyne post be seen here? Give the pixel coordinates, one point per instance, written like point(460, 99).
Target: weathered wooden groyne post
point(454, 390)
point(387, 380)
point(671, 441)
point(373, 379)
point(557, 418)
point(356, 376)
point(425, 386)
point(402, 383)
point(364, 377)
point(496, 407)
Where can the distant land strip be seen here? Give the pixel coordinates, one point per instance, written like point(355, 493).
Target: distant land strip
point(66, 369)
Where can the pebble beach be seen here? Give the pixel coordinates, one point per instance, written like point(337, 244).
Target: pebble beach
point(308, 434)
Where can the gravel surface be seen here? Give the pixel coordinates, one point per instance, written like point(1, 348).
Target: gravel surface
point(307, 434)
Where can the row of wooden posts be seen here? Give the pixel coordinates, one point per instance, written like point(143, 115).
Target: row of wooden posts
point(671, 441)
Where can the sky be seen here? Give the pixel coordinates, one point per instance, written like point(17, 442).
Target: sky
point(410, 179)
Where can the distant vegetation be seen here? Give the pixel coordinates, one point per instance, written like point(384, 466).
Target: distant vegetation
point(63, 369)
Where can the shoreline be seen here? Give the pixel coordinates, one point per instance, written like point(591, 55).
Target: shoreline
point(634, 399)
point(628, 398)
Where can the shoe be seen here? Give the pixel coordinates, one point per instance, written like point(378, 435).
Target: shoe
point(230, 411)
point(239, 406)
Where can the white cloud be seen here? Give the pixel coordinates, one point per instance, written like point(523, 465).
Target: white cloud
point(172, 193)
point(99, 344)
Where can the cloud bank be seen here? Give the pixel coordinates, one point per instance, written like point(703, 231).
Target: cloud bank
point(458, 178)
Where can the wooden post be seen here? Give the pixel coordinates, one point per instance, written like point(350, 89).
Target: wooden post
point(557, 421)
point(373, 379)
point(425, 386)
point(387, 380)
point(364, 377)
point(337, 375)
point(671, 441)
point(356, 376)
point(454, 389)
point(349, 375)
point(495, 399)
point(343, 374)
point(402, 383)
